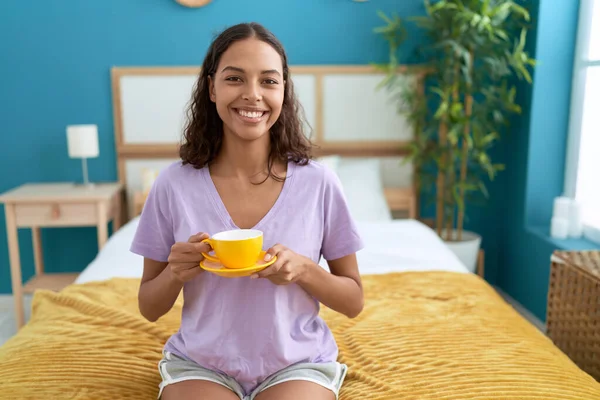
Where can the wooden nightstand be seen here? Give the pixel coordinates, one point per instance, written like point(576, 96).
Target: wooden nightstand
point(401, 200)
point(139, 198)
point(54, 205)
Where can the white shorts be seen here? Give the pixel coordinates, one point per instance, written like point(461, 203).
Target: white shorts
point(175, 369)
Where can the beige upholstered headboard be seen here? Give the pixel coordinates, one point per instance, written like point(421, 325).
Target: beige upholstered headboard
point(348, 117)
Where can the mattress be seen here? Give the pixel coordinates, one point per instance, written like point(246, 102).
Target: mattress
point(390, 246)
point(427, 335)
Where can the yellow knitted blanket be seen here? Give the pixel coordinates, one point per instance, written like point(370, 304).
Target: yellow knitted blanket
point(422, 335)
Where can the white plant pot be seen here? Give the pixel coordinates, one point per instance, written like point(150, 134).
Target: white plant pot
point(467, 249)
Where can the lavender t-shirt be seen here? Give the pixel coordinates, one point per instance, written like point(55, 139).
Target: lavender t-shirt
point(249, 328)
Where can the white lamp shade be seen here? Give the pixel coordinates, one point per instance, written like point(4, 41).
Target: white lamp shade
point(82, 141)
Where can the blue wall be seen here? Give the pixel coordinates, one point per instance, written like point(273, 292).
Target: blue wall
point(514, 223)
point(536, 159)
point(55, 66)
point(56, 62)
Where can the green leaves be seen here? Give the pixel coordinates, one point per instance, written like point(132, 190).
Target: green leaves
point(519, 59)
point(393, 32)
point(476, 48)
point(519, 10)
point(489, 138)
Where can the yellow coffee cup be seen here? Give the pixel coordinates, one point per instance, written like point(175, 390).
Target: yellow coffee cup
point(239, 248)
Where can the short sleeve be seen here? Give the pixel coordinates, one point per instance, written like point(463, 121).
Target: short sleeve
point(340, 234)
point(154, 236)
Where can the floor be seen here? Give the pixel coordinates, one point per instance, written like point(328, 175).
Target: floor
point(8, 325)
point(523, 311)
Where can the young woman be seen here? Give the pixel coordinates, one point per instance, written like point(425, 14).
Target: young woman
point(247, 164)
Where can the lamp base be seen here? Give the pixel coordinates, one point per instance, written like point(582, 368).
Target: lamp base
point(86, 183)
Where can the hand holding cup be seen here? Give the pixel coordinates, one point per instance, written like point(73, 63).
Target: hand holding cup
point(185, 257)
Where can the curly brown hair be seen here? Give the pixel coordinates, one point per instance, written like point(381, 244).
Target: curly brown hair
point(203, 133)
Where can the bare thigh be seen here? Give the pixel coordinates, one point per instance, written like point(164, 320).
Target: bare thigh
point(296, 390)
point(197, 390)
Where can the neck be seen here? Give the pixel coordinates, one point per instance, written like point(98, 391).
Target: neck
point(243, 159)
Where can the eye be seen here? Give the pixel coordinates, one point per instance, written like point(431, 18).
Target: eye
point(233, 79)
point(269, 81)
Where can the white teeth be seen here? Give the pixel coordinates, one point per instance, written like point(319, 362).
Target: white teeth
point(251, 114)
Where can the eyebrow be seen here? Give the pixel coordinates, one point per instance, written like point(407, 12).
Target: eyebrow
point(238, 69)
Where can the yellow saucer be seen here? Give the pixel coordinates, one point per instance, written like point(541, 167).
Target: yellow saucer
point(219, 269)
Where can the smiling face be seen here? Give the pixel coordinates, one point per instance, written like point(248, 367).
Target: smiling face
point(248, 88)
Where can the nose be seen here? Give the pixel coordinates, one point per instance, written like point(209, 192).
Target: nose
point(252, 92)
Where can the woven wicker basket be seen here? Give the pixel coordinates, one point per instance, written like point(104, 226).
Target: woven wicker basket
point(573, 316)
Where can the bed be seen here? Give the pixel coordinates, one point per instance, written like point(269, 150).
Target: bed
point(395, 246)
point(430, 329)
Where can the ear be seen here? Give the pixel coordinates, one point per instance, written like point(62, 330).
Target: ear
point(211, 89)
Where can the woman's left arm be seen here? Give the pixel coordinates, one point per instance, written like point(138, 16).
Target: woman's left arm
point(341, 290)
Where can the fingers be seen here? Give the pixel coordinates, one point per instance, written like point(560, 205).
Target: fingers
point(274, 251)
point(202, 248)
point(279, 251)
point(185, 271)
point(279, 274)
point(198, 237)
point(190, 251)
point(270, 270)
point(183, 267)
point(185, 256)
point(260, 274)
point(182, 251)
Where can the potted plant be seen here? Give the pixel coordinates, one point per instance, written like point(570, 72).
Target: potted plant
point(473, 52)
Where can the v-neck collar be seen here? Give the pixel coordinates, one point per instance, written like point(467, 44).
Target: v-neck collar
point(222, 210)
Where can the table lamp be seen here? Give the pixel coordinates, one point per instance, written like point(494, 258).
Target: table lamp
point(82, 142)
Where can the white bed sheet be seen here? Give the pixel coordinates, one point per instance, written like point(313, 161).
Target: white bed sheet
point(390, 246)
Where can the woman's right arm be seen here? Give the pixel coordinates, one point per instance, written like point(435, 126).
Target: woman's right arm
point(162, 281)
point(158, 291)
